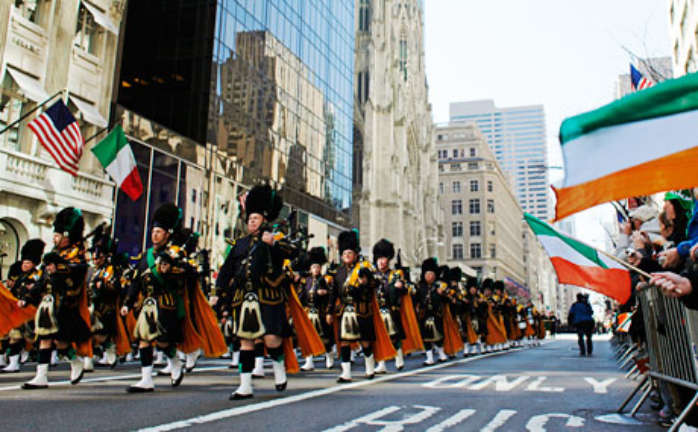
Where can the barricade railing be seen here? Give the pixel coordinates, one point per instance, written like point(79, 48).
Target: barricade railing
point(671, 332)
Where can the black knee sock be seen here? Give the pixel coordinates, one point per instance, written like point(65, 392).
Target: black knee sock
point(45, 355)
point(428, 345)
point(276, 354)
point(259, 349)
point(15, 348)
point(246, 361)
point(146, 355)
point(236, 345)
point(368, 351)
point(345, 353)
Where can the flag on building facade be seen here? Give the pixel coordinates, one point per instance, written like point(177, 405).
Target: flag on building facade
point(581, 265)
point(644, 143)
point(59, 133)
point(116, 156)
point(637, 80)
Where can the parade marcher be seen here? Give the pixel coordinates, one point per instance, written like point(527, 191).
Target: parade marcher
point(430, 297)
point(390, 291)
point(105, 290)
point(25, 279)
point(471, 321)
point(62, 316)
point(353, 293)
point(156, 292)
point(249, 285)
point(496, 334)
point(315, 298)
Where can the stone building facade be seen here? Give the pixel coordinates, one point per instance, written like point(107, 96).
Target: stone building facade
point(483, 221)
point(395, 170)
point(53, 49)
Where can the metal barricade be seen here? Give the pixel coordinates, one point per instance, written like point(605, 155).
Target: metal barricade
point(672, 331)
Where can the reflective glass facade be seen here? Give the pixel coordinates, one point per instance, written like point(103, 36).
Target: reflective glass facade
point(269, 82)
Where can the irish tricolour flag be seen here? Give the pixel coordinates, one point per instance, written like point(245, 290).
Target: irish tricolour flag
point(581, 265)
point(644, 143)
point(116, 156)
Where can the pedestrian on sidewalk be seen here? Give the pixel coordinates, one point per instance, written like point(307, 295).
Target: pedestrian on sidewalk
point(581, 316)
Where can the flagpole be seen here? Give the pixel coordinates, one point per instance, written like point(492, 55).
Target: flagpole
point(11, 125)
point(625, 264)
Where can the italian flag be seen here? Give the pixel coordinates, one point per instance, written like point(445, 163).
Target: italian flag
point(644, 143)
point(116, 156)
point(581, 265)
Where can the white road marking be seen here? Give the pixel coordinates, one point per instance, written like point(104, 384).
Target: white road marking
point(110, 378)
point(537, 423)
point(501, 384)
point(398, 425)
point(498, 420)
point(536, 386)
point(233, 412)
point(599, 386)
point(452, 421)
point(364, 419)
point(463, 380)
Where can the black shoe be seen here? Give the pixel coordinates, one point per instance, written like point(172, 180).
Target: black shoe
point(341, 380)
point(113, 365)
point(189, 370)
point(162, 373)
point(370, 377)
point(134, 389)
point(667, 422)
point(232, 366)
point(77, 380)
point(401, 368)
point(281, 387)
point(178, 381)
point(257, 376)
point(27, 386)
point(238, 396)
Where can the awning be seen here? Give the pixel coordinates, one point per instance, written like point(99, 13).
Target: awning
point(468, 271)
point(31, 87)
point(101, 18)
point(89, 112)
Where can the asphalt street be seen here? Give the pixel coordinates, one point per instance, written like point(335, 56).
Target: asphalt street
point(537, 389)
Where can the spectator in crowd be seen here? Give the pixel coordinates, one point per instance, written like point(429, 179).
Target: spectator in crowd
point(581, 316)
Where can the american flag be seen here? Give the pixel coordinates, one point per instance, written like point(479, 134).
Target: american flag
point(638, 81)
point(58, 132)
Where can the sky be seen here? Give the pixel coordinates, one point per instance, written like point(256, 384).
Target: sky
point(564, 54)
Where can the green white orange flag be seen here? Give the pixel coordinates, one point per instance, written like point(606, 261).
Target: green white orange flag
point(581, 265)
point(116, 156)
point(644, 143)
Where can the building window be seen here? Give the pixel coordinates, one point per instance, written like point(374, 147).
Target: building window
point(490, 186)
point(473, 165)
point(441, 187)
point(456, 207)
point(473, 152)
point(362, 86)
point(32, 10)
point(87, 32)
point(364, 16)
point(475, 229)
point(403, 57)
point(457, 251)
point(457, 229)
point(475, 206)
point(455, 167)
point(441, 167)
point(475, 250)
point(493, 251)
point(474, 186)
point(490, 206)
point(456, 187)
point(455, 153)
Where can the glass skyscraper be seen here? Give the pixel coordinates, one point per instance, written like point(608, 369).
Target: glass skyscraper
point(516, 136)
point(267, 83)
